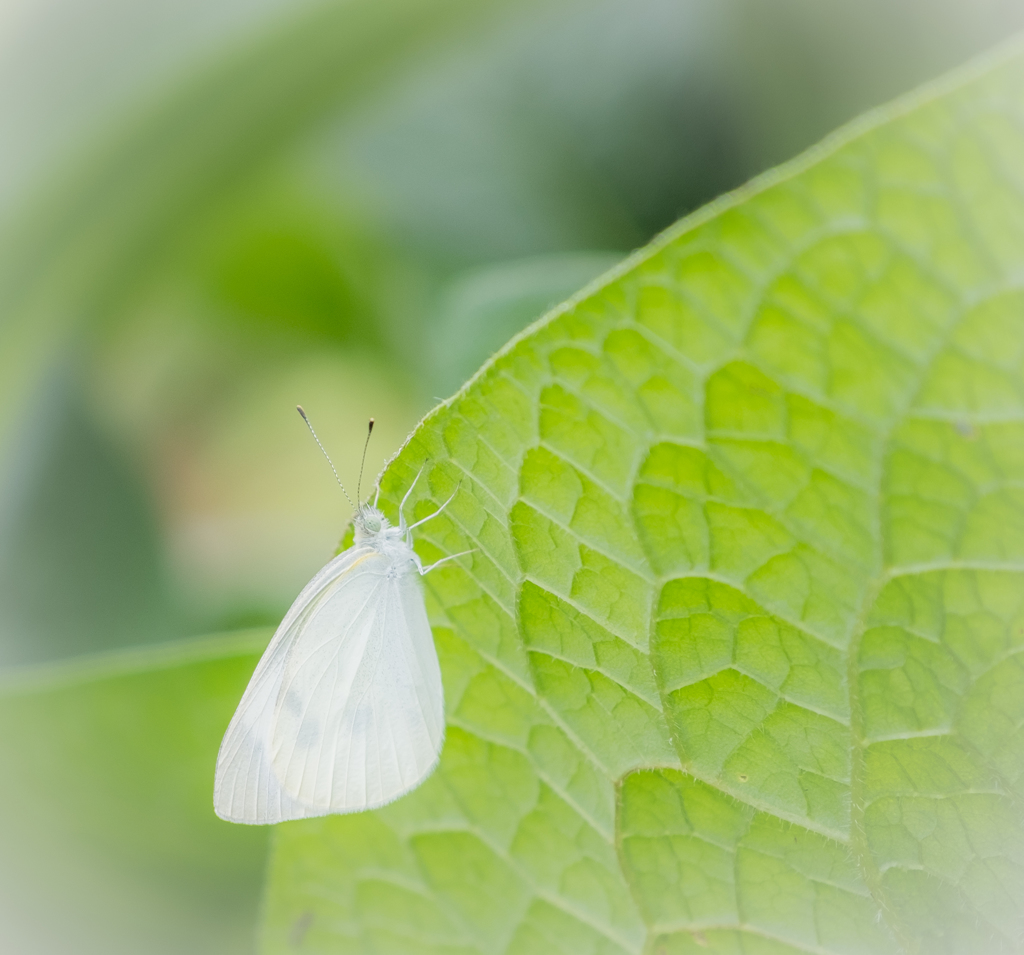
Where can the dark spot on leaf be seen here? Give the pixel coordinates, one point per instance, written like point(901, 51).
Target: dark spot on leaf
point(744, 777)
point(299, 929)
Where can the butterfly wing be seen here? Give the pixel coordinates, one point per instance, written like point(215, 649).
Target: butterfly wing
point(359, 719)
point(245, 787)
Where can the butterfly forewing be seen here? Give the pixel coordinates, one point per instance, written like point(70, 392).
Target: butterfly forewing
point(359, 715)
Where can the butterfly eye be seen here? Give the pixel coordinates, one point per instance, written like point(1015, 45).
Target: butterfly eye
point(373, 524)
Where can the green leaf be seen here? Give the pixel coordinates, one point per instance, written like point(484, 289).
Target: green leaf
point(108, 841)
point(735, 664)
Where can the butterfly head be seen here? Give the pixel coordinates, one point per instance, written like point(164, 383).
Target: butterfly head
point(372, 525)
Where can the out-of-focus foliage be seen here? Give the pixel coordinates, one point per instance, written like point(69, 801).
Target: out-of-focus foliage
point(113, 238)
point(106, 831)
point(212, 211)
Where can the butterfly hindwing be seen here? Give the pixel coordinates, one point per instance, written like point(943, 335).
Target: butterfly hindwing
point(246, 789)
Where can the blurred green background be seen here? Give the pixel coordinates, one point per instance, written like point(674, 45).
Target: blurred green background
point(211, 211)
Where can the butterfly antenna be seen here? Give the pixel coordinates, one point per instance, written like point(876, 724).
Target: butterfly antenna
point(362, 463)
point(326, 455)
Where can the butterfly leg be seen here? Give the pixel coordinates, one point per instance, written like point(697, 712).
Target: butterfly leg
point(423, 520)
point(444, 560)
point(401, 507)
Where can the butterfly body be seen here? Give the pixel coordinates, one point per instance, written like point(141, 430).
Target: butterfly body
point(345, 711)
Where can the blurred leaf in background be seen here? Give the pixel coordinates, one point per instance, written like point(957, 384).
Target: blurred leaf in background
point(108, 840)
point(210, 212)
point(102, 585)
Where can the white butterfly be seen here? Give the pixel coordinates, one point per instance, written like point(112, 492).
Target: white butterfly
point(345, 710)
